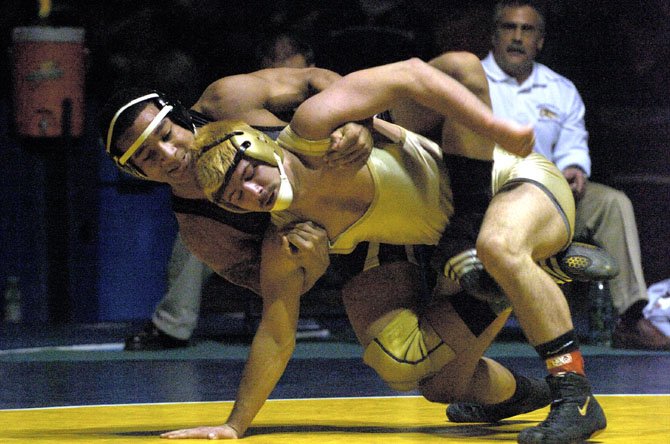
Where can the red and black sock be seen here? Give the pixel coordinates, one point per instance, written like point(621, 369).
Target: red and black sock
point(562, 355)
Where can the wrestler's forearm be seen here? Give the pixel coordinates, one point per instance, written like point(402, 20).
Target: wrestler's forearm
point(441, 92)
point(266, 364)
point(362, 94)
point(274, 340)
point(435, 89)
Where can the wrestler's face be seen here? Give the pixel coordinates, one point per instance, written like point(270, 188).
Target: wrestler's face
point(253, 186)
point(517, 40)
point(166, 155)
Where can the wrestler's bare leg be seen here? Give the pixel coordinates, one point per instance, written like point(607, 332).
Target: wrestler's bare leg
point(373, 298)
point(455, 138)
point(521, 226)
point(469, 377)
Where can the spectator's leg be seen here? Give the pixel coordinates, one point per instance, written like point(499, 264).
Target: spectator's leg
point(605, 216)
point(177, 313)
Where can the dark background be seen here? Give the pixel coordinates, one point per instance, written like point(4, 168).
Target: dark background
point(91, 245)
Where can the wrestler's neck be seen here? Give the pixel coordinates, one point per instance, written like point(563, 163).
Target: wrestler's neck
point(333, 198)
point(188, 190)
point(310, 185)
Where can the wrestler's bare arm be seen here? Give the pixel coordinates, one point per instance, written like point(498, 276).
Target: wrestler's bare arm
point(230, 253)
point(464, 67)
point(455, 138)
point(467, 69)
point(235, 255)
point(304, 247)
point(257, 97)
point(260, 97)
point(362, 94)
point(274, 340)
point(272, 346)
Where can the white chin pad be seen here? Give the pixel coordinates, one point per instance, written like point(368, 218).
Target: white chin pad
point(285, 193)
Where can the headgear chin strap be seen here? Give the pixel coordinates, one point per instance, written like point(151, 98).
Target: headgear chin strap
point(285, 193)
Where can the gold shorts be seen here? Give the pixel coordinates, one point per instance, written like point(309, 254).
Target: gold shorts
point(536, 169)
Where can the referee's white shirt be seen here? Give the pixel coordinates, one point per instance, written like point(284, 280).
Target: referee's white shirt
point(551, 103)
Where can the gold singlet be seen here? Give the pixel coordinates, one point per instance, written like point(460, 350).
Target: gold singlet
point(412, 200)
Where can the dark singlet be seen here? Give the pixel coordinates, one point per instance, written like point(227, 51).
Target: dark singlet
point(249, 223)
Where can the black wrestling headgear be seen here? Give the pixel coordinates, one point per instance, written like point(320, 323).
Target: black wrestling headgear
point(166, 107)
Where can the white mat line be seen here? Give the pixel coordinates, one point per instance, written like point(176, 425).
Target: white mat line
point(112, 346)
point(140, 404)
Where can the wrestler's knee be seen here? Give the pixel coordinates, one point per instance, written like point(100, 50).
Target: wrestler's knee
point(497, 252)
point(407, 351)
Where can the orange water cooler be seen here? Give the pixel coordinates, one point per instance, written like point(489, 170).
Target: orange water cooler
point(48, 81)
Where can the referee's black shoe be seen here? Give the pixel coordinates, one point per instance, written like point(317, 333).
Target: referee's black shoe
point(574, 417)
point(151, 338)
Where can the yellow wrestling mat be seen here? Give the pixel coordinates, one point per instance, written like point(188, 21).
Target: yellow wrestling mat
point(631, 420)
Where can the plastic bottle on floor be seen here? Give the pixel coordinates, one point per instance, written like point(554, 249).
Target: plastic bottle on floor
point(12, 299)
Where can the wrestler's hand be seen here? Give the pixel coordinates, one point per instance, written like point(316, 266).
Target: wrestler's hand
point(350, 145)
point(577, 179)
point(307, 243)
point(219, 432)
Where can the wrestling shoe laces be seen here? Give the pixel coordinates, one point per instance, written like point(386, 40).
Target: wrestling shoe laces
point(574, 416)
point(534, 394)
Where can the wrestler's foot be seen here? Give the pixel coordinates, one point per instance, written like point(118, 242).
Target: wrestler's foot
point(578, 262)
point(513, 137)
point(466, 269)
point(575, 414)
point(581, 262)
point(531, 394)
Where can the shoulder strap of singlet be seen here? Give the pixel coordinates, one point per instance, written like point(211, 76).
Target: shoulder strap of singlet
point(198, 118)
point(250, 223)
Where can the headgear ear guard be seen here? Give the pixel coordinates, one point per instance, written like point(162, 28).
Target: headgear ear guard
point(226, 140)
point(177, 112)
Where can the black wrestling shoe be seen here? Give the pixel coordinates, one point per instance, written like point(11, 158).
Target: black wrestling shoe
point(533, 395)
point(152, 339)
point(581, 262)
point(575, 415)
